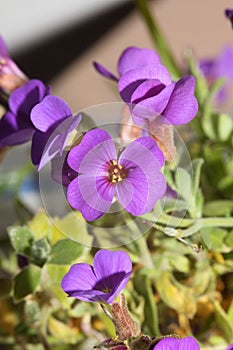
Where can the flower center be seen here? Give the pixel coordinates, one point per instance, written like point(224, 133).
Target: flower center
point(116, 173)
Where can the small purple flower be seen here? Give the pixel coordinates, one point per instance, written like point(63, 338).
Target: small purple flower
point(230, 347)
point(150, 93)
point(16, 126)
point(170, 343)
point(53, 122)
point(101, 282)
point(132, 57)
point(11, 76)
point(134, 177)
point(220, 67)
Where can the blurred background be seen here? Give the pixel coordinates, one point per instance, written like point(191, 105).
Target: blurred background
point(57, 41)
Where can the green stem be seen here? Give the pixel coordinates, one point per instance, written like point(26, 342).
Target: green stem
point(158, 38)
point(207, 222)
point(144, 252)
point(191, 226)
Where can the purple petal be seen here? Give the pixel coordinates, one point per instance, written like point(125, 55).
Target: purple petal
point(23, 99)
point(92, 296)
point(80, 277)
point(153, 105)
point(61, 172)
point(3, 48)
point(134, 57)
point(57, 139)
point(51, 110)
point(167, 344)
point(133, 78)
point(107, 263)
point(92, 154)
point(91, 196)
point(144, 184)
point(188, 343)
point(104, 71)
point(39, 142)
point(11, 132)
point(230, 347)
point(182, 106)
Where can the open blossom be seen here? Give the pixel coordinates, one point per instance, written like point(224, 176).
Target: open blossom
point(170, 343)
point(132, 57)
point(101, 282)
point(150, 94)
point(134, 177)
point(16, 126)
point(53, 122)
point(11, 76)
point(220, 67)
point(146, 86)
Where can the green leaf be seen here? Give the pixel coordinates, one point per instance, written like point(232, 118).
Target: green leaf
point(143, 287)
point(21, 239)
point(176, 295)
point(6, 287)
point(26, 282)
point(229, 239)
point(183, 183)
point(225, 127)
point(223, 321)
point(218, 208)
point(196, 203)
point(74, 227)
point(39, 251)
point(65, 252)
point(40, 226)
point(213, 238)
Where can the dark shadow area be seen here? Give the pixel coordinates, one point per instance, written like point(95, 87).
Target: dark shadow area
point(48, 58)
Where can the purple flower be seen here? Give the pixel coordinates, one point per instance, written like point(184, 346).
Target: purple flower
point(150, 93)
point(11, 76)
point(53, 122)
point(134, 177)
point(101, 282)
point(169, 343)
point(16, 126)
point(230, 347)
point(132, 57)
point(61, 171)
point(220, 67)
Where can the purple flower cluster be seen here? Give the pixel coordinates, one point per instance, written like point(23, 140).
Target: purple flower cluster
point(146, 86)
point(101, 282)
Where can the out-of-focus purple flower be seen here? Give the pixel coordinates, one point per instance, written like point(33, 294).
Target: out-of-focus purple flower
point(170, 343)
point(229, 14)
point(132, 57)
point(151, 94)
point(11, 76)
point(53, 123)
point(134, 177)
point(101, 282)
point(220, 67)
point(230, 347)
point(16, 126)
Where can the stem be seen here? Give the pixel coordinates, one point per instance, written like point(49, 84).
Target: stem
point(144, 252)
point(158, 38)
point(169, 220)
point(207, 222)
